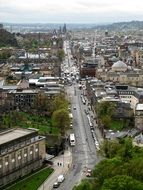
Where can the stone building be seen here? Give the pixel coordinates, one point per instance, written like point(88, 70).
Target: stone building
point(139, 116)
point(122, 74)
point(21, 152)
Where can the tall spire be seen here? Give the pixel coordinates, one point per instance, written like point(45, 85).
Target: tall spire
point(64, 29)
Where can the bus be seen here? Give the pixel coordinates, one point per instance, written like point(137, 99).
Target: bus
point(72, 139)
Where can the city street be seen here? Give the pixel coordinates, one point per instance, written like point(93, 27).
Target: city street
point(84, 153)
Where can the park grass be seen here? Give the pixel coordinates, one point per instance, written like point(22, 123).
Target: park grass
point(42, 123)
point(117, 125)
point(32, 182)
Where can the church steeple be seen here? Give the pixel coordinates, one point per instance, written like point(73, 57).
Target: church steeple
point(64, 29)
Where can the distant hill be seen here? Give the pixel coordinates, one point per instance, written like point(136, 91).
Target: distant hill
point(123, 25)
point(7, 39)
point(44, 27)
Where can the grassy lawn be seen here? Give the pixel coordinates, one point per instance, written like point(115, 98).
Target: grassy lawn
point(43, 123)
point(117, 125)
point(32, 182)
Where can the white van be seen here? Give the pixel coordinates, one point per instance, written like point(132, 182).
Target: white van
point(61, 178)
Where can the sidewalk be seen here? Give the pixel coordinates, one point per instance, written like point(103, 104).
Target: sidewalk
point(61, 165)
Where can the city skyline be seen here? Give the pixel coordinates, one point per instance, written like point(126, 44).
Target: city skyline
point(75, 11)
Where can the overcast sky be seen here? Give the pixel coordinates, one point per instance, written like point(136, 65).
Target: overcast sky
point(70, 11)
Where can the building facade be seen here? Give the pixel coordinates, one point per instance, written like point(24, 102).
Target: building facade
point(21, 152)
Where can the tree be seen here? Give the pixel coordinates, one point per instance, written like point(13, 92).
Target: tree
point(109, 148)
point(105, 112)
point(126, 151)
point(5, 54)
point(60, 119)
point(107, 169)
point(42, 104)
point(7, 39)
point(135, 166)
point(122, 182)
point(85, 185)
point(61, 54)
point(59, 102)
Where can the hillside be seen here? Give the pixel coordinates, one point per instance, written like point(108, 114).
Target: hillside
point(132, 25)
point(7, 39)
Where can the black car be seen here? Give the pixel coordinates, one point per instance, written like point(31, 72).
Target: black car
point(56, 185)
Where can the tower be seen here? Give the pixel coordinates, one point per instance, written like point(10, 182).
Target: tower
point(64, 29)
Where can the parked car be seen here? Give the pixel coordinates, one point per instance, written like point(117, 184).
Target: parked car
point(88, 173)
point(61, 178)
point(86, 111)
point(56, 185)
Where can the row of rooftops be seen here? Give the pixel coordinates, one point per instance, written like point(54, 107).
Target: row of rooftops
point(24, 84)
point(111, 46)
point(110, 91)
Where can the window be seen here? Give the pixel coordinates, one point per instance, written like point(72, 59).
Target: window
point(25, 155)
point(13, 161)
point(6, 163)
point(0, 165)
point(36, 149)
point(19, 157)
point(31, 152)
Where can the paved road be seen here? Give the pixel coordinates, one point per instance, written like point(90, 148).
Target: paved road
point(84, 154)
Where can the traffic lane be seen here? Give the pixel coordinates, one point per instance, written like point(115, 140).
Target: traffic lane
point(79, 159)
point(90, 141)
point(80, 133)
point(89, 146)
point(78, 152)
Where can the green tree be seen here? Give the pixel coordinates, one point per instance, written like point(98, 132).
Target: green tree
point(59, 102)
point(105, 112)
point(42, 104)
point(122, 182)
point(135, 166)
point(126, 150)
point(109, 148)
point(85, 185)
point(107, 168)
point(61, 54)
point(106, 108)
point(6, 120)
point(5, 54)
point(34, 43)
point(7, 39)
point(61, 120)
point(47, 43)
